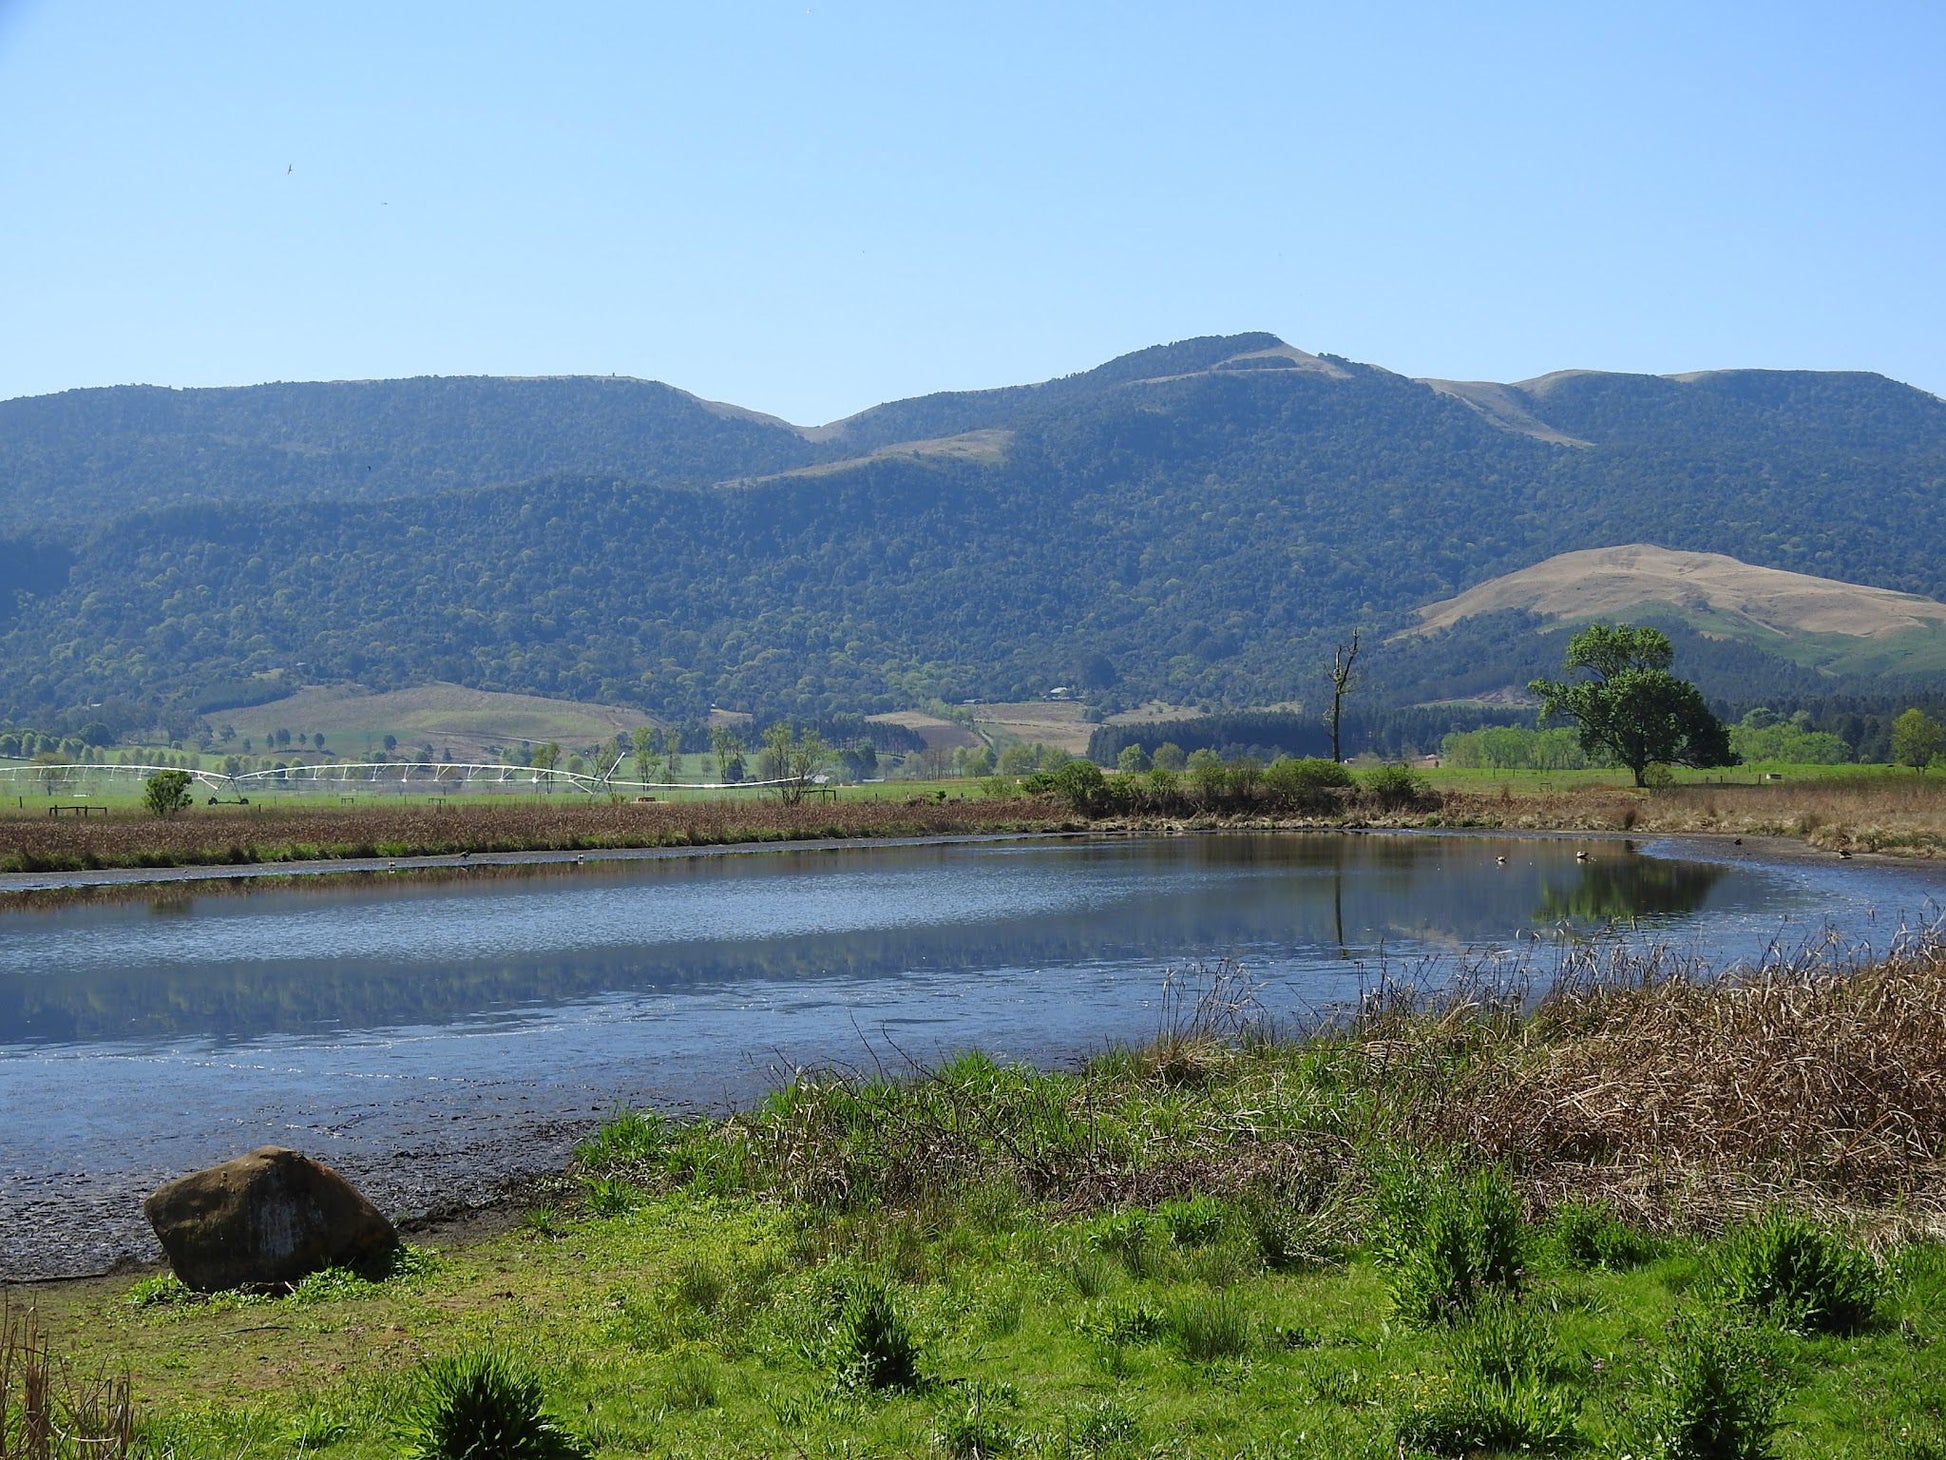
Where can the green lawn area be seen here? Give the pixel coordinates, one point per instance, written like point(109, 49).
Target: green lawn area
point(693, 1324)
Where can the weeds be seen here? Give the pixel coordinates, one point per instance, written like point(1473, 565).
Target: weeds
point(974, 1425)
point(1710, 1397)
point(1589, 1236)
point(611, 1196)
point(873, 1347)
point(1799, 1275)
point(48, 1411)
point(1211, 1326)
point(691, 1382)
point(1450, 1242)
point(479, 1404)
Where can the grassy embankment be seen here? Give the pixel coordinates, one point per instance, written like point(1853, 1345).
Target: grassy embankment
point(1444, 1227)
point(1885, 811)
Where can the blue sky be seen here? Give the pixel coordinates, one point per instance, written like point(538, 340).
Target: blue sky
point(807, 209)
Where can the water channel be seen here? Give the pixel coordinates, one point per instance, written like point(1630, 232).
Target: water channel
point(434, 1039)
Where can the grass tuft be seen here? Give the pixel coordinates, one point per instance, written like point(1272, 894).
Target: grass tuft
point(481, 1404)
point(1799, 1275)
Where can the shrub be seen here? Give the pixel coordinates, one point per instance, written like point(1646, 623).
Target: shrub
point(1396, 788)
point(1799, 1275)
point(478, 1404)
point(1079, 784)
point(1309, 784)
point(1449, 1243)
point(1710, 1398)
point(875, 1349)
point(166, 792)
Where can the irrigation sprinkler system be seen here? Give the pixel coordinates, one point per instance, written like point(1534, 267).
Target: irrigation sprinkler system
point(437, 777)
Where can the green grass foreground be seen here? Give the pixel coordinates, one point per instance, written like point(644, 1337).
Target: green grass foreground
point(1654, 1215)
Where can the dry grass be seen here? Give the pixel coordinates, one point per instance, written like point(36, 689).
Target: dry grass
point(34, 844)
point(50, 1412)
point(1891, 813)
point(1694, 1099)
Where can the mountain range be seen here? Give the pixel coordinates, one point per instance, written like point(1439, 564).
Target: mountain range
point(1197, 523)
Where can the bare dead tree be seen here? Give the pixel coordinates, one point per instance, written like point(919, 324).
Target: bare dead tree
point(1342, 659)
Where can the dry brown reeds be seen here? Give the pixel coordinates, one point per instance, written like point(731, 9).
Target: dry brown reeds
point(276, 834)
point(49, 1413)
point(1818, 1077)
point(1904, 814)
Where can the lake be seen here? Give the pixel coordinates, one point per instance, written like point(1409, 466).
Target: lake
point(433, 1039)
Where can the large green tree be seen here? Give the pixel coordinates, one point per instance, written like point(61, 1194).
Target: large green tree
point(1632, 708)
point(1917, 740)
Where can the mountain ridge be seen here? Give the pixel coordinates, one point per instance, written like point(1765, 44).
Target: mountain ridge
point(1195, 523)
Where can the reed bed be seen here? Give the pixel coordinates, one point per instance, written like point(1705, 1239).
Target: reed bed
point(1901, 814)
point(1687, 1097)
point(1692, 1099)
point(275, 834)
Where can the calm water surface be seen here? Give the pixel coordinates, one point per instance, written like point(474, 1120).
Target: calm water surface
point(432, 1039)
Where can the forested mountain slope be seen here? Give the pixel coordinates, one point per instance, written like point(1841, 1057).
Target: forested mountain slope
point(80, 457)
point(1196, 522)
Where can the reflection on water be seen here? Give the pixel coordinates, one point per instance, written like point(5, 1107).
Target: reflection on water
point(327, 962)
point(1627, 890)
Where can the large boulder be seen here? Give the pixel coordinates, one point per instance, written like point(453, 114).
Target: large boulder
point(269, 1217)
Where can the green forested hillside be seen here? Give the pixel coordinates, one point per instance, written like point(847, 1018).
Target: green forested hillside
point(1195, 523)
point(75, 459)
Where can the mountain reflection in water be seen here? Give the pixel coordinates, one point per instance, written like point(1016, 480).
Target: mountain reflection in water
point(324, 962)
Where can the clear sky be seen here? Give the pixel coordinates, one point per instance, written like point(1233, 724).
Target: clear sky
point(810, 208)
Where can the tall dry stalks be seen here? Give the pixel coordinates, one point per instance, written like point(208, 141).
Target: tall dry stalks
point(47, 1412)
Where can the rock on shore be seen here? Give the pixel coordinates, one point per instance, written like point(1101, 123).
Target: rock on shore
point(272, 1216)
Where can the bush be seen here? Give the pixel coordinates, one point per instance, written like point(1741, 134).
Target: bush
point(1309, 784)
point(1710, 1398)
point(1396, 788)
point(1080, 784)
point(481, 1404)
point(1449, 1243)
point(166, 792)
point(1799, 1275)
